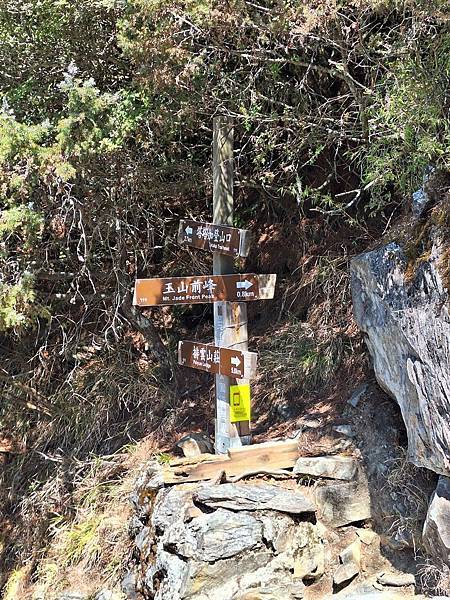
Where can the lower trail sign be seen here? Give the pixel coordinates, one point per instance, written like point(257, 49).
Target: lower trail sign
point(217, 360)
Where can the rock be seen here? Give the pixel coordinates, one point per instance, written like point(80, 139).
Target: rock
point(278, 530)
point(344, 574)
point(372, 595)
point(343, 503)
point(216, 536)
point(107, 595)
point(135, 525)
point(344, 430)
point(149, 481)
point(407, 327)
point(195, 444)
point(309, 553)
point(231, 576)
point(400, 540)
point(351, 554)
point(311, 423)
point(367, 536)
point(436, 530)
point(332, 467)
point(172, 505)
point(366, 591)
point(241, 497)
point(357, 395)
point(273, 591)
point(166, 578)
point(396, 579)
point(128, 586)
point(72, 596)
point(419, 202)
point(143, 542)
point(350, 565)
point(435, 183)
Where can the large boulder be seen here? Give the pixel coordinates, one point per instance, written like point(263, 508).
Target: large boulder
point(436, 530)
point(401, 305)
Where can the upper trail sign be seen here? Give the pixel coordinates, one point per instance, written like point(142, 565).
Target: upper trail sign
point(203, 289)
point(215, 238)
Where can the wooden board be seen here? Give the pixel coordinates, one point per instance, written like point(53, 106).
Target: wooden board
point(267, 456)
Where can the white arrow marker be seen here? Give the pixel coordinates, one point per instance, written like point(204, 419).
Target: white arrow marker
point(189, 230)
point(244, 284)
point(236, 361)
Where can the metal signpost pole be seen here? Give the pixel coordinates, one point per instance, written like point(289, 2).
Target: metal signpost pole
point(230, 318)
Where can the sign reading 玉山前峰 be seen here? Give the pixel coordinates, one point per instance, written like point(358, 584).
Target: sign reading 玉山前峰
point(214, 238)
point(203, 289)
point(217, 360)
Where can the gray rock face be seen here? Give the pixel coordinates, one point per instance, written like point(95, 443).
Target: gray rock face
point(332, 467)
point(407, 327)
point(436, 531)
point(254, 497)
point(217, 535)
point(229, 541)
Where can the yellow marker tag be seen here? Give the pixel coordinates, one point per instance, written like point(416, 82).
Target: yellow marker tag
point(239, 403)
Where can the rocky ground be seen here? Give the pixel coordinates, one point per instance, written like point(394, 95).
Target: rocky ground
point(345, 524)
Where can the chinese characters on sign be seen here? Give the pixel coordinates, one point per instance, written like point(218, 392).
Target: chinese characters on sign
point(203, 289)
point(217, 360)
point(215, 238)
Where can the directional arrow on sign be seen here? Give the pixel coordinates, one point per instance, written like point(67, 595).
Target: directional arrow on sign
point(189, 230)
point(244, 284)
point(236, 361)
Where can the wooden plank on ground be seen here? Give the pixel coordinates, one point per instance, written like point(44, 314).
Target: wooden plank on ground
point(267, 456)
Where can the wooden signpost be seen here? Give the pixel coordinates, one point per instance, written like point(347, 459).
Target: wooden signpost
point(228, 359)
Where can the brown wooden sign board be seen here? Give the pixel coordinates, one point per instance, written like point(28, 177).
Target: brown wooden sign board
point(215, 238)
point(203, 289)
point(217, 360)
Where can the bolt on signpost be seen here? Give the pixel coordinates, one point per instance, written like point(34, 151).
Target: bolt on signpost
point(228, 359)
